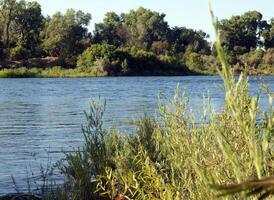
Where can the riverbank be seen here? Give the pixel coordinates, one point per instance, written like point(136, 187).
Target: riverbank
point(59, 72)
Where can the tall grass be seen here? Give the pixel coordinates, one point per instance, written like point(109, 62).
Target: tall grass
point(53, 72)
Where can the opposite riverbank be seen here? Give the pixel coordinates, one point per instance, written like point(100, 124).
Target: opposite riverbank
point(60, 72)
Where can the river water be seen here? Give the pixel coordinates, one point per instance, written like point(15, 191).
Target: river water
point(40, 118)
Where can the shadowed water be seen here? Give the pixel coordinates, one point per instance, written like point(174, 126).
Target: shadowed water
point(42, 117)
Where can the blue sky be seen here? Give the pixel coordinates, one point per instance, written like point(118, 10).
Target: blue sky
point(189, 13)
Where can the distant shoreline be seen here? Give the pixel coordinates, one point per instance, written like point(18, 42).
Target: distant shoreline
point(59, 72)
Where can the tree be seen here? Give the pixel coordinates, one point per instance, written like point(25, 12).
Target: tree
point(184, 40)
point(268, 35)
point(8, 9)
point(29, 23)
point(144, 27)
point(242, 33)
point(66, 36)
point(112, 30)
point(159, 47)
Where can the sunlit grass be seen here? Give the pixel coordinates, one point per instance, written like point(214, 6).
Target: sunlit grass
point(53, 72)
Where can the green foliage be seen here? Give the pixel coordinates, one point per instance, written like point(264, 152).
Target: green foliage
point(19, 53)
point(144, 42)
point(139, 60)
point(268, 35)
point(145, 26)
point(111, 31)
point(21, 72)
point(96, 52)
point(253, 58)
point(22, 23)
point(104, 59)
point(268, 58)
point(184, 40)
point(53, 72)
point(29, 22)
point(65, 36)
point(193, 61)
point(8, 9)
point(242, 33)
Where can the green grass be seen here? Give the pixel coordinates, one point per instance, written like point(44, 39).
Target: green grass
point(53, 72)
point(59, 72)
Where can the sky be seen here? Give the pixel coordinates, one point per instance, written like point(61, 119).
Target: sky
point(188, 13)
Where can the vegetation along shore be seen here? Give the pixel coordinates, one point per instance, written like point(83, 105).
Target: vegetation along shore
point(139, 42)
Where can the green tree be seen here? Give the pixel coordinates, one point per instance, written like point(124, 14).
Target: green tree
point(112, 30)
point(66, 36)
point(184, 40)
point(8, 9)
point(144, 27)
point(268, 35)
point(29, 23)
point(242, 33)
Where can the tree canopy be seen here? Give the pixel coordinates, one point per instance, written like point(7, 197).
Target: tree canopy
point(66, 36)
point(242, 33)
point(134, 37)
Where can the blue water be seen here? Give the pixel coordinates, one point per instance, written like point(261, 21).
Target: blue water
point(41, 117)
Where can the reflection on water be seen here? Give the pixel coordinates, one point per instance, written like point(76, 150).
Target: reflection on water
point(45, 115)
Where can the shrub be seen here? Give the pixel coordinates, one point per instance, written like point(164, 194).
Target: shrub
point(193, 61)
point(18, 53)
point(139, 61)
point(100, 67)
point(268, 58)
point(252, 59)
point(96, 52)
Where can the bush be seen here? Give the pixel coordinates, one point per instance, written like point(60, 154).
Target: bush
point(194, 61)
point(138, 61)
point(100, 67)
point(96, 52)
point(252, 59)
point(268, 58)
point(18, 53)
point(103, 59)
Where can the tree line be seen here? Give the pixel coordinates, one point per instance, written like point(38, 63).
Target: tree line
point(130, 43)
